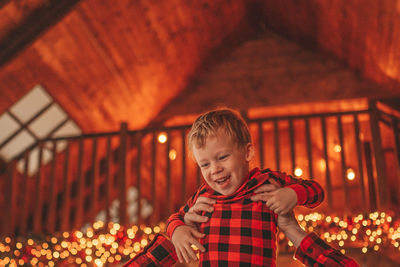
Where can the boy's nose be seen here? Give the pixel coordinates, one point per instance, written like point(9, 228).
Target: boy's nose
point(215, 168)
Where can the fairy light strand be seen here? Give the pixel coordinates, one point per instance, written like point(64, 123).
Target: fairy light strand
point(114, 243)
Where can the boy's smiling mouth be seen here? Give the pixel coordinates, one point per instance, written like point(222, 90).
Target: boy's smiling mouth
point(222, 180)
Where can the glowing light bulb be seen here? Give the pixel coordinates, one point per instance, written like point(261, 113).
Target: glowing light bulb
point(162, 138)
point(298, 171)
point(337, 148)
point(322, 165)
point(350, 174)
point(172, 154)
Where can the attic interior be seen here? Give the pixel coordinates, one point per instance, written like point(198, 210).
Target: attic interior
point(97, 97)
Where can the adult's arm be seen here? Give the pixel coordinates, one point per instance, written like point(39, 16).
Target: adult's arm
point(310, 249)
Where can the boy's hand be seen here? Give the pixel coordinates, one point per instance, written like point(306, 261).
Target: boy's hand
point(193, 217)
point(183, 238)
point(279, 200)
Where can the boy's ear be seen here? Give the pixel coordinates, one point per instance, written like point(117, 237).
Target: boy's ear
point(250, 152)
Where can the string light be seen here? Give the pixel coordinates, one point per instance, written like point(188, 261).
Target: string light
point(172, 154)
point(162, 138)
point(322, 165)
point(337, 148)
point(350, 174)
point(298, 172)
point(115, 243)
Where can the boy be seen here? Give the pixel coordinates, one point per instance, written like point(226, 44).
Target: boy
point(235, 230)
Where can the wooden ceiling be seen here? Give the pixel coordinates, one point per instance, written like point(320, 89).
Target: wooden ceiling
point(108, 61)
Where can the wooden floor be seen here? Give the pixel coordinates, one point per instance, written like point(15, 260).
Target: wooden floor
point(372, 259)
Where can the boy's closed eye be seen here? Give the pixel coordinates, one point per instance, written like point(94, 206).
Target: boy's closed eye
point(204, 165)
point(223, 157)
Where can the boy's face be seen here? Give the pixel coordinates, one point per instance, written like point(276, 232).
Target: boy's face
point(223, 163)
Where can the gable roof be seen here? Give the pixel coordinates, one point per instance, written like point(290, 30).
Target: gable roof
point(106, 62)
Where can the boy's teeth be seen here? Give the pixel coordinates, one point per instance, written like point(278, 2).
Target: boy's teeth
point(222, 179)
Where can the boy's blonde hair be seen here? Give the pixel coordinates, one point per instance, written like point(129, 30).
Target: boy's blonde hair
point(210, 122)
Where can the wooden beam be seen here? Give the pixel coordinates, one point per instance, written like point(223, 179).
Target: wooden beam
point(4, 2)
point(38, 21)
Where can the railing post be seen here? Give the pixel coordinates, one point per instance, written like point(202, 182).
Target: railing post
point(345, 186)
point(378, 155)
point(94, 198)
point(80, 200)
point(396, 133)
point(370, 177)
point(396, 140)
point(292, 145)
point(10, 200)
point(309, 149)
point(168, 175)
point(25, 196)
point(37, 215)
point(66, 191)
point(155, 200)
point(52, 214)
point(139, 178)
point(109, 184)
point(359, 157)
point(326, 158)
point(122, 173)
point(183, 186)
point(276, 145)
point(261, 143)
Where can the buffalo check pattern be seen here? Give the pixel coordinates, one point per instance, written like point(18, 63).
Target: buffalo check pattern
point(311, 252)
point(315, 252)
point(241, 232)
point(160, 252)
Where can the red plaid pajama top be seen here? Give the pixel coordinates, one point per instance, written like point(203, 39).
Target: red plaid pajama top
point(241, 232)
point(312, 251)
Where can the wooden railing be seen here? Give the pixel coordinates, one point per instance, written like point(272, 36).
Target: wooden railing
point(109, 174)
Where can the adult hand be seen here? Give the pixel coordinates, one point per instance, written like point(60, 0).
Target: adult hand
point(288, 224)
point(183, 238)
point(287, 221)
point(203, 204)
point(279, 200)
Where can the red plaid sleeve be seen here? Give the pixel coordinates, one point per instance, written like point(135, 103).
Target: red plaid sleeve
point(176, 219)
point(313, 251)
point(309, 192)
point(159, 252)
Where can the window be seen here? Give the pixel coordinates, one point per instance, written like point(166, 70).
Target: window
point(34, 117)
